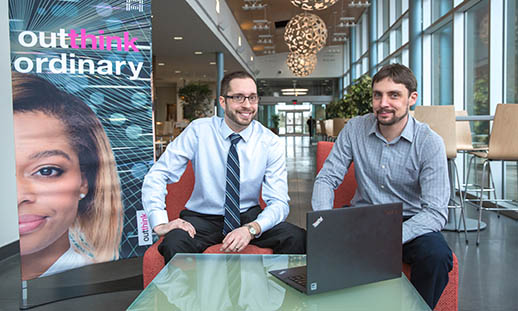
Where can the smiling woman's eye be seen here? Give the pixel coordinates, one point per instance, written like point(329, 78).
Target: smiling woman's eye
point(49, 171)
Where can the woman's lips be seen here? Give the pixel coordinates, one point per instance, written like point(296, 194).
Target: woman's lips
point(30, 223)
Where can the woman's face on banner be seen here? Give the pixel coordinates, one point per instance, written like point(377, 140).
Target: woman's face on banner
point(49, 180)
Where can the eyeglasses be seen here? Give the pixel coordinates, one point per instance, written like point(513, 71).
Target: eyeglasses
point(239, 99)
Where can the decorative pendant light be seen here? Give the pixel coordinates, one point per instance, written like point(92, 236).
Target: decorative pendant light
point(310, 5)
point(306, 33)
point(301, 65)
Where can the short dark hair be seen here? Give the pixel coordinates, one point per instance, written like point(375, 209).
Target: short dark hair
point(399, 74)
point(225, 83)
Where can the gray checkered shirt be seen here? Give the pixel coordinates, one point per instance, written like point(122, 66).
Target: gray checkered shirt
point(411, 169)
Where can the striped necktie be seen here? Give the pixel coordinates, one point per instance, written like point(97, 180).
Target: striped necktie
point(232, 214)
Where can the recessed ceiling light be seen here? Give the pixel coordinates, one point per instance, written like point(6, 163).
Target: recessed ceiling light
point(212, 63)
point(177, 71)
point(251, 58)
point(178, 38)
point(161, 64)
point(198, 52)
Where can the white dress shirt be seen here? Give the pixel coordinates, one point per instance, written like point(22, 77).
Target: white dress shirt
point(206, 143)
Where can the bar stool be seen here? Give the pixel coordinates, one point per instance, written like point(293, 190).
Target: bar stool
point(465, 146)
point(441, 120)
point(503, 146)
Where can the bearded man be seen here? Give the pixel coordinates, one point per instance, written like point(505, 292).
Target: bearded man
point(397, 159)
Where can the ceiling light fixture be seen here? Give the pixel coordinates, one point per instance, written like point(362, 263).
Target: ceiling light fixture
point(261, 24)
point(339, 37)
point(254, 5)
point(178, 38)
point(212, 63)
point(305, 34)
point(198, 52)
point(161, 64)
point(310, 5)
point(301, 65)
point(359, 4)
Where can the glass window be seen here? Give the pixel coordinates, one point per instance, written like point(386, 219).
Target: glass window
point(386, 48)
point(386, 5)
point(512, 53)
point(477, 68)
point(398, 8)
point(442, 70)
point(399, 38)
point(440, 7)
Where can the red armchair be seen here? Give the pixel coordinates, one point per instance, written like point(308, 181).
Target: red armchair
point(343, 195)
point(178, 195)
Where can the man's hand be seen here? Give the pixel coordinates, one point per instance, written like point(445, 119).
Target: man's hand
point(178, 223)
point(236, 240)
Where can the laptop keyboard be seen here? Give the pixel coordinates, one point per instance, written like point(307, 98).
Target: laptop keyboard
point(299, 279)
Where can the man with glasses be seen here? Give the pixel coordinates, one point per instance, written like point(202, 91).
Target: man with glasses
point(235, 159)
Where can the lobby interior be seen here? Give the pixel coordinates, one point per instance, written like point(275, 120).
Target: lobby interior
point(453, 46)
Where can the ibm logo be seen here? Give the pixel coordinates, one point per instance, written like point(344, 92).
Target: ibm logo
point(135, 5)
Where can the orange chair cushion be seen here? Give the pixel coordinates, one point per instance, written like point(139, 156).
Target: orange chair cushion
point(249, 249)
point(449, 299)
point(345, 192)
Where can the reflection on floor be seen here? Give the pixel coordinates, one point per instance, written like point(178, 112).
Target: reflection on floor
point(488, 273)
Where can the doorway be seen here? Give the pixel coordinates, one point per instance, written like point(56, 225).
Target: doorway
point(294, 124)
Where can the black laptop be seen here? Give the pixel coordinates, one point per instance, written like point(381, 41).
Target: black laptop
point(348, 247)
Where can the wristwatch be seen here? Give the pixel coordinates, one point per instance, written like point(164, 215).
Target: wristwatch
point(251, 230)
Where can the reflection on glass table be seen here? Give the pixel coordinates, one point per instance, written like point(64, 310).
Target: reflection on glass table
point(242, 282)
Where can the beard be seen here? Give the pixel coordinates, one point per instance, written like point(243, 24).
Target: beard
point(392, 120)
point(234, 117)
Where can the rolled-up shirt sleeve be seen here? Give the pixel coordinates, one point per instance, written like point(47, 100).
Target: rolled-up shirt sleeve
point(274, 188)
point(168, 169)
point(332, 173)
point(435, 191)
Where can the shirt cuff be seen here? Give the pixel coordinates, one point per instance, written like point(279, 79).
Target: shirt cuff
point(157, 218)
point(264, 224)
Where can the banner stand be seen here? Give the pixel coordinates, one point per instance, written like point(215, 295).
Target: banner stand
point(76, 283)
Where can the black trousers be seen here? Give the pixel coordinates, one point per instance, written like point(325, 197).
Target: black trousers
point(284, 238)
point(430, 259)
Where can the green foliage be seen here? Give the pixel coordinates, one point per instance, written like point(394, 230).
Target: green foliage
point(197, 100)
point(481, 107)
point(275, 121)
point(357, 100)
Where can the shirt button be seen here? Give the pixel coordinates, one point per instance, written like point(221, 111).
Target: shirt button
point(382, 187)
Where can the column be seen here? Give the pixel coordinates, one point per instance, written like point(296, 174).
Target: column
point(373, 36)
point(220, 68)
point(416, 44)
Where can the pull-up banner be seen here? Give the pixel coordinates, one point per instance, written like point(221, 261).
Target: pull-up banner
point(83, 131)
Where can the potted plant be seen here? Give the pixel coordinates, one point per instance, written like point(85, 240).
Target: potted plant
point(275, 122)
point(357, 101)
point(196, 99)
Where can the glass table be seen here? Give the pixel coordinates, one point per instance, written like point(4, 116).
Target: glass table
point(242, 282)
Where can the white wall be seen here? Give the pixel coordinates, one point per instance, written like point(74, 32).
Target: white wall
point(329, 64)
point(9, 211)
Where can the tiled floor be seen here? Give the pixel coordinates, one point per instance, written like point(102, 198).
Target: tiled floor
point(488, 273)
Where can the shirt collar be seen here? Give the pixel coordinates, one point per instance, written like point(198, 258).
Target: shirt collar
point(408, 131)
point(227, 131)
